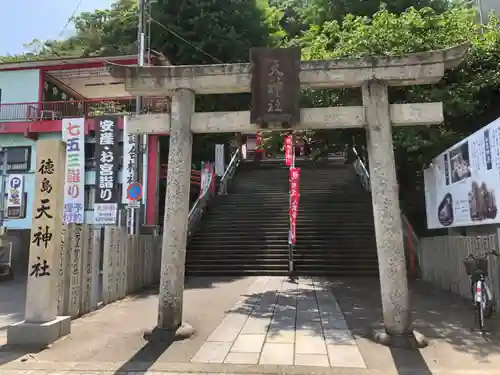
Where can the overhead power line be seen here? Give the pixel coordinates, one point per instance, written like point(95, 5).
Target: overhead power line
point(184, 40)
point(70, 18)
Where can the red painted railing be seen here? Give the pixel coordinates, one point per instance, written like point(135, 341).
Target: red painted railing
point(78, 108)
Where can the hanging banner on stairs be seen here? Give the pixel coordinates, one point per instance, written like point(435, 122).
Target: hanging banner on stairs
point(207, 171)
point(288, 151)
point(294, 202)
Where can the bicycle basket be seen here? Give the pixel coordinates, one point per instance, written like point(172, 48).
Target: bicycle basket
point(474, 265)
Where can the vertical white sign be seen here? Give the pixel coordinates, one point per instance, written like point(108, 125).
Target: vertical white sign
point(15, 195)
point(219, 160)
point(129, 159)
point(73, 134)
point(206, 175)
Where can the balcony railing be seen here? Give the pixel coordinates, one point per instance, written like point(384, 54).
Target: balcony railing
point(12, 112)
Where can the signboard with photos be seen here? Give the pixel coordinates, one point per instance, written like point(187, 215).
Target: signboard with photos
point(462, 183)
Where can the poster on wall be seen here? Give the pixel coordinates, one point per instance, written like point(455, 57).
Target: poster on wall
point(15, 196)
point(107, 157)
point(462, 184)
point(73, 134)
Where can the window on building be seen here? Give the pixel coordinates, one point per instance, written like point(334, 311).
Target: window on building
point(90, 162)
point(89, 197)
point(18, 159)
point(16, 212)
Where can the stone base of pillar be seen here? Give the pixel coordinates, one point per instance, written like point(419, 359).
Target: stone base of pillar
point(414, 340)
point(184, 331)
point(38, 334)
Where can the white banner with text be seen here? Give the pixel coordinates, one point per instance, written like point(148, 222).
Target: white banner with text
point(462, 183)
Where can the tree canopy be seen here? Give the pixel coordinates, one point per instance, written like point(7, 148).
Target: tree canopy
point(209, 31)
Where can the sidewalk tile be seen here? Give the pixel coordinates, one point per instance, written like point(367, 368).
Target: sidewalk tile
point(345, 356)
point(242, 358)
point(339, 337)
point(256, 325)
point(229, 328)
point(212, 352)
point(320, 360)
point(277, 354)
point(283, 336)
point(248, 343)
point(310, 344)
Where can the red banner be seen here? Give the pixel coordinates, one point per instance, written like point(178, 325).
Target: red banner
point(294, 200)
point(288, 150)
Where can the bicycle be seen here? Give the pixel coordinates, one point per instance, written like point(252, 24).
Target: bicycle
point(481, 295)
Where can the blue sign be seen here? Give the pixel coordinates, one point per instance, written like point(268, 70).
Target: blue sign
point(15, 182)
point(134, 191)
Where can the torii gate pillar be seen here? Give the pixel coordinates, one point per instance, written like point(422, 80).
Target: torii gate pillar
point(373, 75)
point(387, 216)
point(173, 251)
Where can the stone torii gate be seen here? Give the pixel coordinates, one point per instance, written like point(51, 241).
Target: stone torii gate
point(372, 74)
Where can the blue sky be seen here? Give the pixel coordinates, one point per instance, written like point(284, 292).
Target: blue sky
point(21, 21)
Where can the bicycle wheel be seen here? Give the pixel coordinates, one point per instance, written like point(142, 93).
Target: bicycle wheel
point(487, 305)
point(480, 316)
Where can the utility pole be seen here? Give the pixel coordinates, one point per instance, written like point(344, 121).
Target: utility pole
point(141, 140)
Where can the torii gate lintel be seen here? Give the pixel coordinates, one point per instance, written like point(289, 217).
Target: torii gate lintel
point(373, 75)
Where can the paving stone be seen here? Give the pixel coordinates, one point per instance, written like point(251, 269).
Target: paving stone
point(308, 328)
point(307, 344)
point(212, 352)
point(332, 323)
point(229, 328)
point(345, 356)
point(320, 360)
point(339, 337)
point(283, 336)
point(303, 319)
point(256, 325)
point(242, 358)
point(276, 354)
point(248, 343)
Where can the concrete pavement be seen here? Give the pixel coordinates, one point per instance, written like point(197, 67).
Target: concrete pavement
point(268, 326)
point(12, 301)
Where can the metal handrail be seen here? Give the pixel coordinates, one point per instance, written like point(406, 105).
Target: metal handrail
point(200, 205)
point(408, 230)
point(229, 173)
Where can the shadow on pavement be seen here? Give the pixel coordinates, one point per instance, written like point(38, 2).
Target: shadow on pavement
point(285, 311)
point(144, 358)
point(442, 317)
point(189, 283)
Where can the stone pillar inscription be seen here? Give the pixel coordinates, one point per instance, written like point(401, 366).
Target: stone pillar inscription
point(43, 272)
point(386, 211)
point(176, 213)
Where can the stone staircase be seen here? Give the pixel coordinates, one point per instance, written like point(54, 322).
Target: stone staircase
point(246, 231)
point(335, 230)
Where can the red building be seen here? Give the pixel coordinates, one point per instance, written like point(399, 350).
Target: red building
point(36, 95)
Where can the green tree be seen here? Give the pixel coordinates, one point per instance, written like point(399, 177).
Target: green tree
point(470, 93)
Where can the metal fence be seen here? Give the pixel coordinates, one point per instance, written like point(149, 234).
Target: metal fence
point(442, 262)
